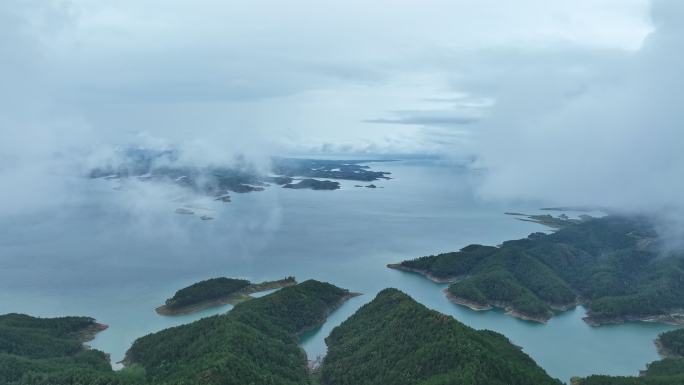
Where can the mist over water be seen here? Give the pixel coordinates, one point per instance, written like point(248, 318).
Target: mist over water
point(117, 254)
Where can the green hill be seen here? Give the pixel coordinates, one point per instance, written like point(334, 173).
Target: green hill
point(395, 340)
point(50, 351)
point(612, 264)
point(255, 343)
point(671, 344)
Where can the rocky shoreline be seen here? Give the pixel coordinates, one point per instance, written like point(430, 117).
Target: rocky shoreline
point(491, 305)
point(88, 334)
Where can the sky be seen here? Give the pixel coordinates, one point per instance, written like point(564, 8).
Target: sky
point(574, 102)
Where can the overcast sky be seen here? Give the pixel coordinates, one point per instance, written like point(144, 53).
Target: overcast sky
point(577, 100)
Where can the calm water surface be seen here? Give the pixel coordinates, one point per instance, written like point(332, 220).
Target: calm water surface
point(116, 254)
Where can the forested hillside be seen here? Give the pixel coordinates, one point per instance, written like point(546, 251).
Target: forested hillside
point(612, 264)
point(50, 351)
point(395, 340)
point(671, 343)
point(255, 343)
point(669, 371)
point(206, 290)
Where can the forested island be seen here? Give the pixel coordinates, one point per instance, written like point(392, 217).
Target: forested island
point(215, 292)
point(614, 265)
point(395, 340)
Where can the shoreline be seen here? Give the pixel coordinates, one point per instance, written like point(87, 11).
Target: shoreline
point(674, 318)
point(489, 306)
point(424, 273)
point(508, 310)
point(235, 298)
point(90, 332)
point(331, 309)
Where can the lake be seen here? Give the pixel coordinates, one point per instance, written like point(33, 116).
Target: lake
point(116, 252)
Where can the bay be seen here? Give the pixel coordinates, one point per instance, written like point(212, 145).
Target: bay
point(115, 251)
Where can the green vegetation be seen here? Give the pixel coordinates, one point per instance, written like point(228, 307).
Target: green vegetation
point(217, 291)
point(255, 343)
point(395, 340)
point(669, 371)
point(46, 351)
point(671, 344)
point(612, 264)
point(209, 289)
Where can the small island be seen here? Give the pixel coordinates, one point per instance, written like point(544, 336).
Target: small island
point(314, 184)
point(220, 181)
point(216, 292)
point(613, 265)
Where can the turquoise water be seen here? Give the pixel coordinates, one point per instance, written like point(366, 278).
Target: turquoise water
point(117, 254)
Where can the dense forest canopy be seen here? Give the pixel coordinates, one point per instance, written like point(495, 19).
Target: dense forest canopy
point(255, 343)
point(395, 340)
point(206, 290)
point(612, 264)
point(50, 351)
point(672, 343)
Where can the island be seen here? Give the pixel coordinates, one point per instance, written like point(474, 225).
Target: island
point(216, 292)
point(613, 265)
point(314, 184)
point(242, 177)
point(395, 340)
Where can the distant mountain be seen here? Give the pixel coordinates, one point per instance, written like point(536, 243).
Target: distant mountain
point(219, 181)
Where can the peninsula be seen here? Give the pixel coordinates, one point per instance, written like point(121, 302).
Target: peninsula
point(613, 265)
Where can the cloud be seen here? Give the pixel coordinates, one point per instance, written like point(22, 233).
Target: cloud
point(606, 131)
point(82, 78)
point(426, 118)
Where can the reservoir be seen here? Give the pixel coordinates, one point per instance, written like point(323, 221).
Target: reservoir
point(116, 252)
